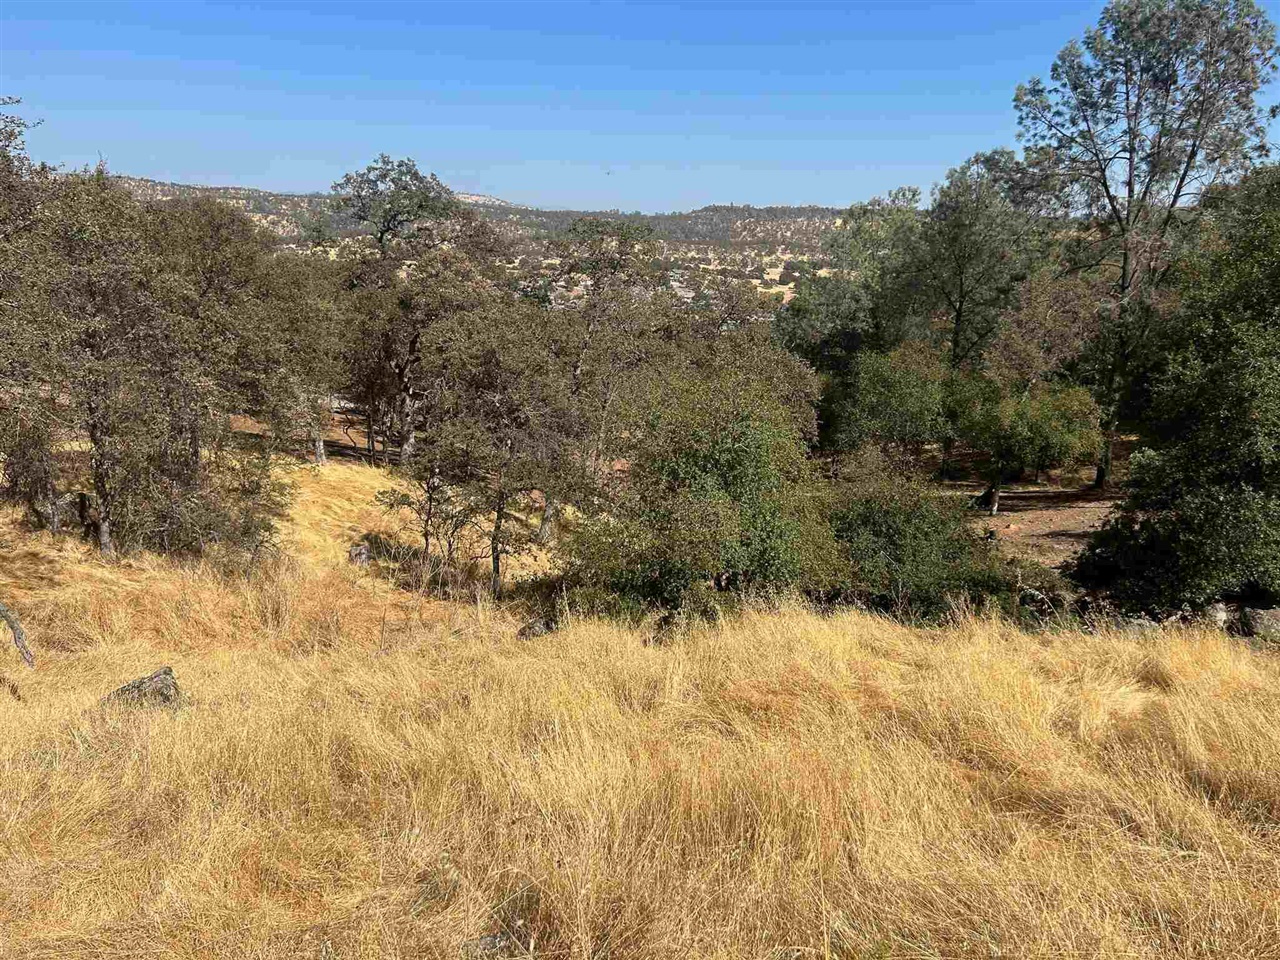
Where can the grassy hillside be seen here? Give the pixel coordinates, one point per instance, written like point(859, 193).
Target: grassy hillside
point(359, 773)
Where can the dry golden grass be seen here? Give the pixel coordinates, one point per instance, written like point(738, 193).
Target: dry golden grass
point(358, 773)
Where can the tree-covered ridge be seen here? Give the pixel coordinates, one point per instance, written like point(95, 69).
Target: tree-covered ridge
point(797, 229)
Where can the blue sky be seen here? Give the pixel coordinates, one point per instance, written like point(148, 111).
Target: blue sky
point(649, 106)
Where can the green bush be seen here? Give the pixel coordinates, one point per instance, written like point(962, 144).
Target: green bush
point(910, 551)
point(1038, 426)
point(896, 399)
point(719, 498)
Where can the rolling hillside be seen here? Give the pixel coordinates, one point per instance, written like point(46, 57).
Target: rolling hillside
point(758, 231)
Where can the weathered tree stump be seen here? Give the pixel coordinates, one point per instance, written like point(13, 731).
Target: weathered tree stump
point(19, 636)
point(160, 689)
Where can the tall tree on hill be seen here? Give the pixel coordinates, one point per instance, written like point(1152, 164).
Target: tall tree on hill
point(976, 247)
point(494, 429)
point(950, 272)
point(605, 304)
point(407, 220)
point(1201, 519)
point(1157, 104)
point(29, 421)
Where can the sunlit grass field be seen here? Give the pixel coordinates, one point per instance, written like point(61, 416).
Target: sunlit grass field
point(360, 772)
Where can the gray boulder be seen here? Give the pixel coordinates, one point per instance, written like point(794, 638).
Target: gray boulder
point(538, 627)
point(159, 689)
point(1261, 624)
point(1137, 625)
point(1216, 615)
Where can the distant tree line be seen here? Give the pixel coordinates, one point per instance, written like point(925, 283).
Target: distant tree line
point(675, 440)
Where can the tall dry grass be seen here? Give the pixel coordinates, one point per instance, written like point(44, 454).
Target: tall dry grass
point(358, 773)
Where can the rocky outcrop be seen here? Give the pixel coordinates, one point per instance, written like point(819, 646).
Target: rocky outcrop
point(538, 627)
point(159, 689)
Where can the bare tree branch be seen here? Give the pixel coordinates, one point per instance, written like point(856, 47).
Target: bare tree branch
point(19, 635)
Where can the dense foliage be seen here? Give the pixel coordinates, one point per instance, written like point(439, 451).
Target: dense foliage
point(1202, 518)
point(672, 438)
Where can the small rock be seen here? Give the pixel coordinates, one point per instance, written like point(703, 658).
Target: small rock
point(1261, 624)
point(359, 554)
point(538, 627)
point(160, 689)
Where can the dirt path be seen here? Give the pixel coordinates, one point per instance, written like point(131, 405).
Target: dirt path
point(1048, 524)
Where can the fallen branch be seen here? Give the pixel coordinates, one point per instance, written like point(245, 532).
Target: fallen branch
point(19, 635)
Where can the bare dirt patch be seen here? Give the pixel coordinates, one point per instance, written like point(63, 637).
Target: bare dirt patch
point(1047, 524)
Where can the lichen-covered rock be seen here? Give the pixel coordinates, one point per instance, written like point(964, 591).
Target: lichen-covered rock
point(1216, 615)
point(538, 627)
point(1261, 624)
point(1137, 625)
point(159, 689)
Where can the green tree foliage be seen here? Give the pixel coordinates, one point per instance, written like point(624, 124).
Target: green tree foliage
point(717, 497)
point(1157, 105)
point(125, 331)
point(976, 246)
point(898, 400)
point(1201, 520)
point(1036, 427)
point(949, 274)
point(419, 257)
point(868, 299)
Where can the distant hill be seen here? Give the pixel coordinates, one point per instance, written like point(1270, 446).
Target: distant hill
point(762, 234)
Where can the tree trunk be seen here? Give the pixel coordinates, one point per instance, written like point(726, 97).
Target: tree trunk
point(495, 546)
point(408, 425)
point(990, 499)
point(547, 528)
point(105, 544)
point(1102, 476)
point(321, 457)
point(102, 469)
point(948, 446)
point(51, 498)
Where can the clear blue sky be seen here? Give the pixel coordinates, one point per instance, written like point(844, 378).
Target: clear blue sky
point(649, 106)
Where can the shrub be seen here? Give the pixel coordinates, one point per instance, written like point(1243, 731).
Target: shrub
point(1040, 426)
point(910, 551)
point(894, 399)
point(719, 498)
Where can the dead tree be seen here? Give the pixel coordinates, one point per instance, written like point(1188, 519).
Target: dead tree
point(19, 635)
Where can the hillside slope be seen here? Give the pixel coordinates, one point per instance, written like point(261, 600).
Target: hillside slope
point(772, 230)
point(361, 773)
